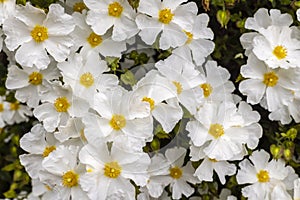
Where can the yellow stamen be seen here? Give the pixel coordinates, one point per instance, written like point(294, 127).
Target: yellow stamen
point(207, 89)
point(115, 9)
point(70, 179)
point(270, 79)
point(175, 172)
point(150, 101)
point(61, 104)
point(263, 176)
point(79, 7)
point(48, 150)
point(280, 52)
point(112, 170)
point(39, 33)
point(35, 78)
point(165, 16)
point(94, 39)
point(87, 79)
point(216, 130)
point(117, 122)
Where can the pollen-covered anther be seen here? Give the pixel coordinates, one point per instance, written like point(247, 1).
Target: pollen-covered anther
point(175, 172)
point(263, 176)
point(270, 79)
point(112, 170)
point(150, 101)
point(280, 52)
point(178, 87)
point(1, 107)
point(70, 179)
point(14, 106)
point(189, 37)
point(207, 89)
point(61, 104)
point(79, 7)
point(117, 122)
point(216, 130)
point(39, 33)
point(165, 16)
point(35, 78)
point(48, 150)
point(94, 39)
point(87, 79)
point(115, 9)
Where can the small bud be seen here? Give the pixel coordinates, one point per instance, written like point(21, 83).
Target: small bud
point(287, 154)
point(133, 55)
point(275, 151)
point(223, 17)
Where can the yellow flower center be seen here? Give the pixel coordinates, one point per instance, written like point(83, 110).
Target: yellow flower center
point(117, 122)
point(263, 176)
point(175, 172)
point(61, 104)
point(15, 105)
point(178, 86)
point(270, 79)
point(35, 78)
point(94, 39)
point(216, 130)
point(1, 107)
point(112, 170)
point(39, 33)
point(79, 7)
point(87, 79)
point(150, 101)
point(165, 16)
point(48, 150)
point(189, 37)
point(280, 52)
point(70, 179)
point(207, 89)
point(115, 9)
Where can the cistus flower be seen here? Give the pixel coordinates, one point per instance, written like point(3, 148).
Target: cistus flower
point(31, 83)
point(267, 179)
point(169, 18)
point(115, 14)
point(31, 28)
point(276, 85)
point(108, 172)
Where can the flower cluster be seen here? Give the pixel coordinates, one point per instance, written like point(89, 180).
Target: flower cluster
point(92, 129)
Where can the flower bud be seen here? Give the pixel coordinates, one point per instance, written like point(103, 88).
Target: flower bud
point(287, 154)
point(275, 151)
point(223, 17)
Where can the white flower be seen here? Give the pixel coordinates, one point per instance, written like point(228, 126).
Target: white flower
point(170, 170)
point(275, 84)
point(39, 144)
point(263, 176)
point(14, 112)
point(64, 172)
point(199, 40)
point(85, 75)
point(86, 38)
point(226, 130)
point(205, 170)
point(277, 48)
point(74, 129)
point(186, 79)
point(31, 28)
point(262, 20)
point(30, 82)
point(217, 87)
point(168, 17)
point(112, 13)
point(298, 15)
point(59, 107)
point(109, 172)
point(123, 118)
point(7, 9)
point(155, 89)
